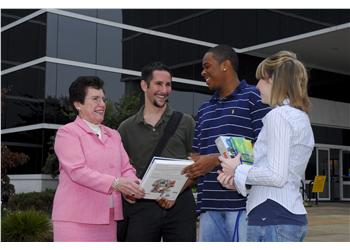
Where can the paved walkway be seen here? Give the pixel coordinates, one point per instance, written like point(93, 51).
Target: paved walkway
point(329, 221)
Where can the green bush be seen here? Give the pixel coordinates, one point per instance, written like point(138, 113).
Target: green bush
point(9, 160)
point(26, 226)
point(51, 165)
point(41, 201)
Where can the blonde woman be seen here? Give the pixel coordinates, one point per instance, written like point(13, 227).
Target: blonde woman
point(281, 153)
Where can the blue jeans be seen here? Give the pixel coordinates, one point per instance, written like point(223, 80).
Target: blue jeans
point(219, 226)
point(273, 233)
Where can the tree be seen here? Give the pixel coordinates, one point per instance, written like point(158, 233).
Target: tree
point(9, 160)
point(118, 112)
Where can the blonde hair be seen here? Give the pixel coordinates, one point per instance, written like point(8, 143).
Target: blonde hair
point(289, 79)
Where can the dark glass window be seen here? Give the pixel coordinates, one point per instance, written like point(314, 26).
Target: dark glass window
point(330, 16)
point(66, 74)
point(182, 101)
point(28, 82)
point(333, 136)
point(237, 27)
point(11, 15)
point(186, 101)
point(59, 78)
point(114, 15)
point(114, 85)
point(310, 172)
point(76, 39)
point(32, 137)
point(139, 49)
point(24, 42)
point(30, 143)
point(196, 24)
point(86, 12)
point(159, 18)
point(33, 166)
point(20, 112)
point(84, 41)
point(109, 46)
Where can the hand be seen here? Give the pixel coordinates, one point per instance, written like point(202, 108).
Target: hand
point(130, 187)
point(201, 166)
point(226, 180)
point(164, 203)
point(130, 199)
point(194, 156)
point(229, 165)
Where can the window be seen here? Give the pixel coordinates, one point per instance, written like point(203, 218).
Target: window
point(24, 42)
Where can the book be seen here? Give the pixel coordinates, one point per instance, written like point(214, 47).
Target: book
point(163, 178)
point(230, 146)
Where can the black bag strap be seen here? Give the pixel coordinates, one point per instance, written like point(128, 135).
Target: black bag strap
point(169, 130)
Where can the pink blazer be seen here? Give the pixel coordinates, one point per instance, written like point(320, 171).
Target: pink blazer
point(88, 167)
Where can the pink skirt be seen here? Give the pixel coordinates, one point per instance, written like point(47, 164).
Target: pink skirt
point(72, 232)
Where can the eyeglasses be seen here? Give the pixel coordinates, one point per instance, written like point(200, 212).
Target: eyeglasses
point(97, 99)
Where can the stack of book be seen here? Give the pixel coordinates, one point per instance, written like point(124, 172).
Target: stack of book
point(230, 146)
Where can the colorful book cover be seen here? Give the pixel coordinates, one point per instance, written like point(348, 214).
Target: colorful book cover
point(230, 146)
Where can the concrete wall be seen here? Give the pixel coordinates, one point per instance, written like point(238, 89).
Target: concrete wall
point(330, 113)
point(32, 182)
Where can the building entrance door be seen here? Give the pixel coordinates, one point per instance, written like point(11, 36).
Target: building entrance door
point(333, 162)
point(335, 174)
point(345, 175)
point(323, 168)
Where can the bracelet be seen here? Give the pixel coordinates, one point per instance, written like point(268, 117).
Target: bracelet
point(116, 183)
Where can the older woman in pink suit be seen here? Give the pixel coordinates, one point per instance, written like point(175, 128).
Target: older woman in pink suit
point(94, 170)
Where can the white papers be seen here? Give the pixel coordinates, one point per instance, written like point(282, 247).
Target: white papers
point(163, 178)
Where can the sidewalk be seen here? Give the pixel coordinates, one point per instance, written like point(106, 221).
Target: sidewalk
point(329, 221)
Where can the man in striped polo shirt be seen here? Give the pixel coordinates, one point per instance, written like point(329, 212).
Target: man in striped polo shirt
point(235, 109)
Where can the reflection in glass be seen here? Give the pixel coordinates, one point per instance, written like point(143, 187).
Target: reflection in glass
point(28, 82)
point(346, 174)
point(11, 15)
point(24, 42)
point(76, 40)
point(21, 112)
point(179, 56)
point(310, 172)
point(33, 166)
point(346, 163)
point(238, 27)
point(323, 169)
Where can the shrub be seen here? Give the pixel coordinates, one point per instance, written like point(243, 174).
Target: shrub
point(9, 160)
point(41, 201)
point(27, 225)
point(51, 166)
point(118, 112)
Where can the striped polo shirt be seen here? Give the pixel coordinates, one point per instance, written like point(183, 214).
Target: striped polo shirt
point(238, 114)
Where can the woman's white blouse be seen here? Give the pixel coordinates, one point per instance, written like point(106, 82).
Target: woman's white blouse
point(281, 154)
point(95, 128)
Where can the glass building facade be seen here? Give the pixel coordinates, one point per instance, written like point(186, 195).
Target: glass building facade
point(43, 51)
